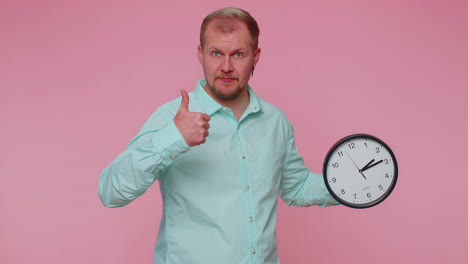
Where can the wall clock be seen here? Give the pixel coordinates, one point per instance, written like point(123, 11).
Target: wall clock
point(360, 171)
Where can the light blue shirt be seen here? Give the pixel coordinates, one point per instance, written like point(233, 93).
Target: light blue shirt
point(219, 198)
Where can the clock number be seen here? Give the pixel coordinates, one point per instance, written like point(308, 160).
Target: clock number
point(355, 195)
point(340, 154)
point(377, 150)
point(343, 191)
point(351, 145)
point(334, 180)
point(369, 195)
point(365, 144)
point(386, 161)
point(386, 175)
point(335, 165)
point(380, 187)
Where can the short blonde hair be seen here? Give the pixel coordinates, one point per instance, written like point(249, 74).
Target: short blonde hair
point(235, 13)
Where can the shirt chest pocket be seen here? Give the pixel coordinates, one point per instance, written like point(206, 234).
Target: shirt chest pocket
point(266, 162)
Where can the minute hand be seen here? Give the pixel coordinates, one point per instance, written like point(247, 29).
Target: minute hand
point(370, 166)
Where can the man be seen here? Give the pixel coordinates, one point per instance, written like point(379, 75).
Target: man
point(221, 155)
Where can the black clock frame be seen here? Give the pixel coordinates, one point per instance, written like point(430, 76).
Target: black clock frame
point(366, 205)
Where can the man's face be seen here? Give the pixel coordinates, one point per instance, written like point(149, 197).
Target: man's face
point(227, 59)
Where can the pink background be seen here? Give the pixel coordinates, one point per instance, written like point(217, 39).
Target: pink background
point(79, 78)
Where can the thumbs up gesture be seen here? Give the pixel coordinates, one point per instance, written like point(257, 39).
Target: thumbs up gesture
point(193, 126)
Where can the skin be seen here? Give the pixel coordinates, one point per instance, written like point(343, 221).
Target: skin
point(192, 126)
point(227, 58)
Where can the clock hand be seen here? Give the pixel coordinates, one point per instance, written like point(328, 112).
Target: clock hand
point(368, 167)
point(363, 168)
point(355, 165)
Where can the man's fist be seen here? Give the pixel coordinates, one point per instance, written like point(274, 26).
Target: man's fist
point(193, 126)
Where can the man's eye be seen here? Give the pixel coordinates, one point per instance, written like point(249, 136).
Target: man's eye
point(238, 55)
point(215, 53)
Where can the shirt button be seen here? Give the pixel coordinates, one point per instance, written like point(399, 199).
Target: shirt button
point(172, 157)
point(254, 251)
point(238, 127)
point(247, 187)
point(243, 156)
point(184, 150)
point(251, 219)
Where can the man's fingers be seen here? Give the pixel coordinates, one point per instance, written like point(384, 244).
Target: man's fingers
point(192, 125)
point(184, 105)
point(206, 117)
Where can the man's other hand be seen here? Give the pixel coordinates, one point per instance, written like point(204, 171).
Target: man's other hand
point(193, 126)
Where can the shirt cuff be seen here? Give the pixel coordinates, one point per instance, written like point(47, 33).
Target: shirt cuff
point(169, 143)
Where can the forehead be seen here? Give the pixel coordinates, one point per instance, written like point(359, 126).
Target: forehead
point(226, 24)
point(227, 30)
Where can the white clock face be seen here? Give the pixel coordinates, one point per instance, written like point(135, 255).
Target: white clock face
point(360, 171)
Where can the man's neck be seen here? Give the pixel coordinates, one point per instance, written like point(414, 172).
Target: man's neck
point(237, 105)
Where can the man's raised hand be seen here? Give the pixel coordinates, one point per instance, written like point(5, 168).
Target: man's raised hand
point(193, 126)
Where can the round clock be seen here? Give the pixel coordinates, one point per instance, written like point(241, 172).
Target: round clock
point(360, 171)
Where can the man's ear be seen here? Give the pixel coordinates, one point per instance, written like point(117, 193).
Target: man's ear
point(200, 54)
point(257, 56)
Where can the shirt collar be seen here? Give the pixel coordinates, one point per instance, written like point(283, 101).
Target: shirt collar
point(211, 106)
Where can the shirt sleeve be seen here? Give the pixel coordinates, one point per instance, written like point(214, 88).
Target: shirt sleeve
point(299, 186)
point(145, 159)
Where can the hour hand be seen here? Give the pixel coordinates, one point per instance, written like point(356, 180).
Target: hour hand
point(365, 166)
point(370, 166)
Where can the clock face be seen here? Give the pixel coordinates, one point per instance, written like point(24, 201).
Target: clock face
point(360, 171)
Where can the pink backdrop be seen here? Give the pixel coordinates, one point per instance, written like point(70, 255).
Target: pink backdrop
point(78, 79)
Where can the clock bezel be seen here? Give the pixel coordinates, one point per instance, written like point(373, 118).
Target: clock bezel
point(357, 205)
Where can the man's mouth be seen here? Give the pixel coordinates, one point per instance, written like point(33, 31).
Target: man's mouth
point(227, 79)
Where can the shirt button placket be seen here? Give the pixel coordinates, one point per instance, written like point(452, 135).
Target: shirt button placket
point(249, 195)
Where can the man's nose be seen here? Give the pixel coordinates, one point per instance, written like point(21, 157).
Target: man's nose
point(227, 64)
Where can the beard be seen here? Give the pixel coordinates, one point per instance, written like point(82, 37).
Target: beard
point(218, 93)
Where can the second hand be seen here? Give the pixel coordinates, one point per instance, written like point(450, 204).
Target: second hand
point(355, 165)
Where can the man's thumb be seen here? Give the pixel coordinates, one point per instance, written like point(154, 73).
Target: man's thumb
point(184, 105)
